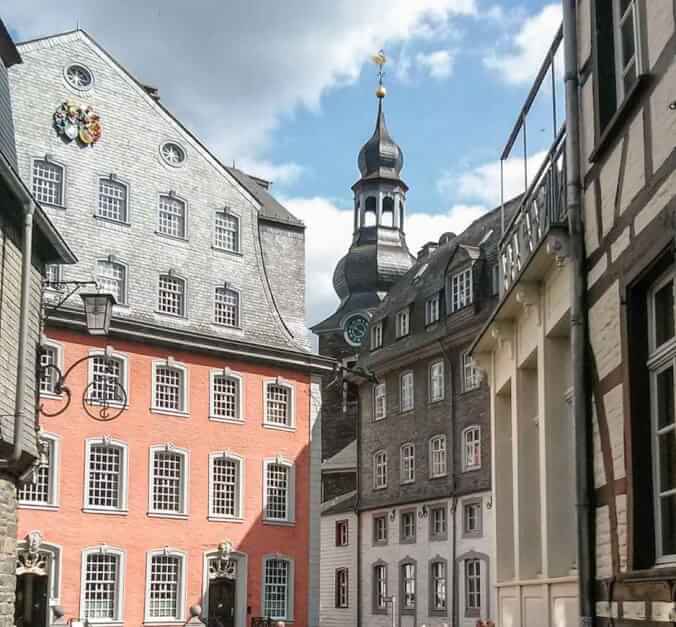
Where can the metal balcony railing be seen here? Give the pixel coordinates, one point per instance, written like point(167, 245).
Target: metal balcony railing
point(543, 203)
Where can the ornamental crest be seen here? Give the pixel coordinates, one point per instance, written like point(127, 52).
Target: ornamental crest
point(76, 122)
point(223, 565)
point(31, 560)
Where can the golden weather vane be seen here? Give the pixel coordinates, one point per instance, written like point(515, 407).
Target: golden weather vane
point(380, 59)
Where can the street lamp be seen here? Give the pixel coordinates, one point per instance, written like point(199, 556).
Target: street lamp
point(98, 308)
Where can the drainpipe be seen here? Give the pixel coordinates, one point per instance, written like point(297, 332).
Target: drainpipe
point(24, 318)
point(356, 505)
point(578, 312)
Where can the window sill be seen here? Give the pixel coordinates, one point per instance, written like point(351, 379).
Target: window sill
point(166, 314)
point(232, 421)
point(169, 412)
point(109, 623)
point(380, 488)
point(112, 220)
point(106, 512)
point(439, 538)
point(52, 205)
point(225, 519)
point(176, 238)
point(471, 468)
point(379, 419)
point(407, 541)
point(432, 477)
point(279, 523)
point(471, 534)
point(619, 119)
point(169, 515)
point(380, 543)
point(155, 621)
point(270, 425)
point(407, 482)
point(436, 401)
point(225, 251)
point(39, 506)
point(220, 325)
point(50, 396)
point(470, 390)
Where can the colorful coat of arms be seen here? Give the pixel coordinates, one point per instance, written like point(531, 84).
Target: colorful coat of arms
point(74, 122)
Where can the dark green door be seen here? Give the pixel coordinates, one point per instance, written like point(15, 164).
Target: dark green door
point(222, 603)
point(31, 601)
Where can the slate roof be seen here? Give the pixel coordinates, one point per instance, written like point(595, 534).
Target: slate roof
point(341, 504)
point(345, 459)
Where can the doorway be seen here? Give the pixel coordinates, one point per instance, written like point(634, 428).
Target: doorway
point(221, 602)
point(32, 601)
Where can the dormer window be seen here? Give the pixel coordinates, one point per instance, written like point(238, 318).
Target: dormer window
point(376, 335)
point(461, 289)
point(403, 322)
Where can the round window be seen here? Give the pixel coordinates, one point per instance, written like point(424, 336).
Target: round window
point(78, 76)
point(172, 153)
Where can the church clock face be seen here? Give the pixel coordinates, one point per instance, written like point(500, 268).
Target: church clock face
point(356, 328)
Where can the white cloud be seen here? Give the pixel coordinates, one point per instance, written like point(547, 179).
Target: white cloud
point(521, 62)
point(438, 64)
point(280, 173)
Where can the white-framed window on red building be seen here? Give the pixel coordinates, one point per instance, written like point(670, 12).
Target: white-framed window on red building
point(169, 468)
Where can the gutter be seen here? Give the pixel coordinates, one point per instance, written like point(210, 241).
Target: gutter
point(578, 322)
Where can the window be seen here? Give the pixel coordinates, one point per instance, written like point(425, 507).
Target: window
point(172, 217)
point(438, 523)
point(380, 529)
point(226, 496)
point(407, 527)
point(380, 401)
point(380, 470)
point(170, 387)
point(438, 586)
point(432, 309)
point(471, 439)
point(165, 590)
point(408, 585)
point(438, 456)
point(342, 533)
point(472, 587)
point(437, 381)
point(376, 335)
point(172, 154)
point(407, 463)
point(112, 200)
point(168, 480)
point(171, 298)
point(48, 182)
point(50, 360)
point(403, 322)
point(380, 595)
point(54, 276)
point(461, 289)
point(111, 277)
point(226, 396)
point(107, 379)
point(42, 488)
point(471, 517)
point(626, 39)
point(226, 307)
point(341, 587)
point(106, 475)
point(102, 593)
point(78, 77)
point(470, 374)
point(278, 588)
point(279, 491)
point(279, 404)
point(406, 397)
point(226, 231)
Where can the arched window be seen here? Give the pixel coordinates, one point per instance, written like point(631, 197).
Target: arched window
point(226, 396)
point(168, 480)
point(370, 211)
point(379, 470)
point(171, 296)
point(278, 587)
point(172, 216)
point(471, 441)
point(165, 585)
point(105, 475)
point(226, 493)
point(170, 387)
point(111, 276)
point(226, 231)
point(438, 456)
point(102, 584)
point(48, 182)
point(279, 404)
point(388, 211)
point(279, 490)
point(112, 203)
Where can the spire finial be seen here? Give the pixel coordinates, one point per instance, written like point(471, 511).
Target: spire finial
point(380, 59)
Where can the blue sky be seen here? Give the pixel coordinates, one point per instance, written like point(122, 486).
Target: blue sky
point(286, 90)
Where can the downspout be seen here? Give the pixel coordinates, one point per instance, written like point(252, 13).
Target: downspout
point(578, 321)
point(24, 317)
point(356, 509)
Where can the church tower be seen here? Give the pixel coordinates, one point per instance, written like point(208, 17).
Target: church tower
point(376, 259)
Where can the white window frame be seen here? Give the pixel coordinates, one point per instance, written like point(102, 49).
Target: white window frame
point(186, 215)
point(48, 159)
point(475, 577)
point(380, 485)
point(292, 404)
point(181, 592)
point(290, 493)
point(411, 404)
point(238, 311)
point(342, 588)
point(441, 437)
point(239, 379)
point(433, 309)
point(620, 68)
point(57, 347)
point(183, 280)
point(461, 297)
point(185, 392)
point(407, 463)
point(122, 509)
point(403, 322)
point(53, 486)
point(342, 532)
point(239, 487)
point(124, 362)
point(121, 556)
point(376, 335)
point(476, 443)
point(111, 178)
point(380, 394)
point(228, 212)
point(290, 585)
point(185, 481)
point(124, 300)
point(470, 374)
point(439, 379)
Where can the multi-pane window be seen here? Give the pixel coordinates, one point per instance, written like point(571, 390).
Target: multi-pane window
point(471, 440)
point(226, 307)
point(403, 322)
point(342, 533)
point(169, 388)
point(225, 397)
point(406, 391)
point(277, 587)
point(438, 522)
point(48, 182)
point(407, 522)
point(432, 309)
point(40, 489)
point(473, 584)
point(341, 587)
point(226, 231)
point(408, 584)
point(172, 216)
point(438, 456)
point(112, 200)
point(101, 586)
point(472, 518)
point(49, 359)
point(470, 374)
point(461, 289)
point(277, 491)
point(626, 41)
point(380, 586)
point(437, 381)
point(111, 277)
point(380, 529)
point(168, 481)
point(278, 404)
point(171, 296)
point(54, 276)
point(107, 380)
point(438, 581)
point(407, 463)
point(225, 487)
point(376, 335)
point(164, 587)
point(380, 401)
point(105, 476)
point(380, 470)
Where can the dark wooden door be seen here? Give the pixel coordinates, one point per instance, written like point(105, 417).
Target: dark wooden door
point(222, 603)
point(30, 609)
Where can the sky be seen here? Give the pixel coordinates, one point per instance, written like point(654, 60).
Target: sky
point(286, 90)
